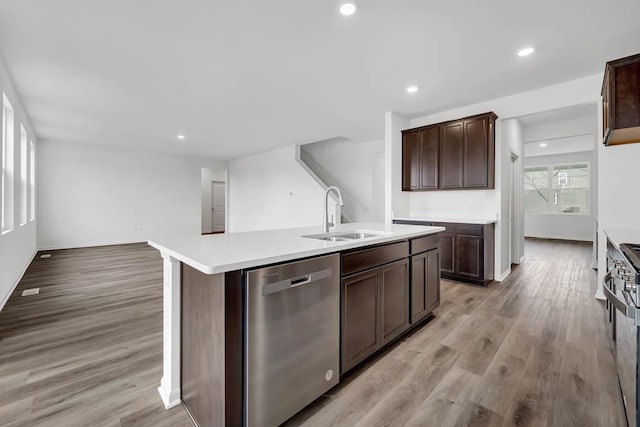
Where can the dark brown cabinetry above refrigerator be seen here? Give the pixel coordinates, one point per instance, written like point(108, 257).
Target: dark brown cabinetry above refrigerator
point(621, 101)
point(454, 155)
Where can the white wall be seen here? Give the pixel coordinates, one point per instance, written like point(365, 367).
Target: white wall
point(570, 144)
point(563, 226)
point(271, 190)
point(353, 164)
point(618, 201)
point(561, 128)
point(396, 201)
point(209, 175)
point(17, 247)
point(575, 92)
point(93, 195)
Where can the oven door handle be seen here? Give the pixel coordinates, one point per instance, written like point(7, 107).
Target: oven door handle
point(620, 304)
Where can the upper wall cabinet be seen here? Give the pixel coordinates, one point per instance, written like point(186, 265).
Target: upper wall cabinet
point(621, 101)
point(454, 155)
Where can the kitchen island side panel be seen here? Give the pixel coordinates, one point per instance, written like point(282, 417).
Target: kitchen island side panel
point(212, 347)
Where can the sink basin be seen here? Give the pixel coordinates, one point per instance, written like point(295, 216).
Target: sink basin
point(343, 236)
point(357, 235)
point(329, 238)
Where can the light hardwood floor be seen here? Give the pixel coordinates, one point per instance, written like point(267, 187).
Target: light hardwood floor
point(530, 351)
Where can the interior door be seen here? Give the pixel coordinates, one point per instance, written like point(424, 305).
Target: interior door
point(218, 203)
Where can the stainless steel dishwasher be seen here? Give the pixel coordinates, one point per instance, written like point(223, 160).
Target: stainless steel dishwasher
point(292, 348)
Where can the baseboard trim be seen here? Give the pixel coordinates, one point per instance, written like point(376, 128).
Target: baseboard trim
point(15, 285)
point(503, 276)
point(89, 245)
point(169, 398)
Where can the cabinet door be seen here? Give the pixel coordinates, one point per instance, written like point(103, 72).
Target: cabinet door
point(360, 318)
point(419, 271)
point(429, 158)
point(452, 155)
point(476, 153)
point(448, 250)
point(432, 278)
point(410, 161)
point(469, 256)
point(394, 289)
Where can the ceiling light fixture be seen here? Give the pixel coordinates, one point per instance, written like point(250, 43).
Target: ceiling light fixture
point(544, 144)
point(526, 51)
point(348, 8)
point(412, 89)
point(181, 137)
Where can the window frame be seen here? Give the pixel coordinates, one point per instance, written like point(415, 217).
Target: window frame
point(24, 186)
point(32, 181)
point(7, 171)
point(550, 168)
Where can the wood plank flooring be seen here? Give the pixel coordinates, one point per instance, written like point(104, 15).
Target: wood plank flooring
point(531, 351)
point(86, 351)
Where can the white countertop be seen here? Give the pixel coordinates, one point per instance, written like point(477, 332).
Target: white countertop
point(619, 236)
point(454, 218)
point(219, 253)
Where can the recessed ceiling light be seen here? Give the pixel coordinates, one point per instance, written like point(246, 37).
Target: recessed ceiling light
point(526, 51)
point(412, 89)
point(544, 144)
point(181, 137)
point(348, 8)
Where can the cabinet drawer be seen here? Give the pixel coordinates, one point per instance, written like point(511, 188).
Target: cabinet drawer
point(423, 244)
point(360, 260)
point(456, 228)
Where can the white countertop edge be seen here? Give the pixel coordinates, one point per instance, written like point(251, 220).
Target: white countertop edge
point(619, 236)
point(456, 220)
point(267, 260)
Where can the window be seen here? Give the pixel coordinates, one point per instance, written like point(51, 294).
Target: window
point(32, 181)
point(23, 175)
point(6, 224)
point(557, 189)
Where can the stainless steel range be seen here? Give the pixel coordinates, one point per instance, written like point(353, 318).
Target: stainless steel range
point(621, 289)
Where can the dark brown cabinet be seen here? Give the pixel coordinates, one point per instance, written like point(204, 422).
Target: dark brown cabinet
point(466, 251)
point(448, 256)
point(621, 101)
point(360, 318)
point(421, 151)
point(411, 152)
point(375, 310)
point(425, 284)
point(453, 155)
point(385, 290)
point(394, 290)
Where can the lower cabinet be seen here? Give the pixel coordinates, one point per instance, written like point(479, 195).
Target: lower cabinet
point(385, 291)
point(394, 289)
point(447, 250)
point(375, 310)
point(466, 251)
point(425, 284)
point(360, 318)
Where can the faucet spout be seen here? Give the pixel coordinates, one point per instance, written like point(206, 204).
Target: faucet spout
point(326, 223)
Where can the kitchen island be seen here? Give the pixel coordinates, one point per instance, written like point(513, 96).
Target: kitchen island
point(388, 282)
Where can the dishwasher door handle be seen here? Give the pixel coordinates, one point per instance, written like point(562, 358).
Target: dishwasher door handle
point(294, 282)
point(620, 304)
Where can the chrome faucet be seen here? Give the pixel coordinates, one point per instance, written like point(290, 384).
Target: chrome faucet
point(326, 225)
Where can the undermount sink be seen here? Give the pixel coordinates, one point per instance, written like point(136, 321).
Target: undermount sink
point(344, 235)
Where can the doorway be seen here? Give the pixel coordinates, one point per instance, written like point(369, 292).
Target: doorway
point(218, 207)
point(214, 199)
point(514, 207)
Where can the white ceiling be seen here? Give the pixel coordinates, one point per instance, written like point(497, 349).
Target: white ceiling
point(244, 76)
